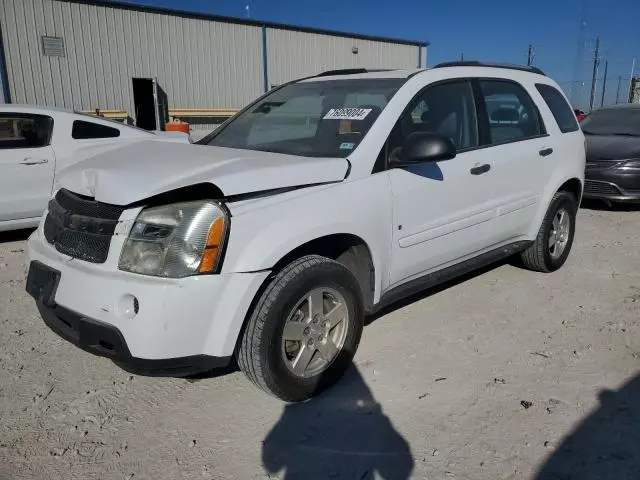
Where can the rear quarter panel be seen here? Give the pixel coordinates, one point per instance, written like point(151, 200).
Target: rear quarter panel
point(569, 154)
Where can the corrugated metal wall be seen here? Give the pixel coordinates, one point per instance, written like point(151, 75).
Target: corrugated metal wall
point(3, 70)
point(295, 54)
point(200, 63)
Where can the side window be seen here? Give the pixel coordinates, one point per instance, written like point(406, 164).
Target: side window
point(562, 112)
point(511, 113)
point(447, 109)
point(85, 130)
point(19, 130)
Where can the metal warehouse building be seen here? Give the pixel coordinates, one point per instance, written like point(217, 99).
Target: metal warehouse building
point(95, 54)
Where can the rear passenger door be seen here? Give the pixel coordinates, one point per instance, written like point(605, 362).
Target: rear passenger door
point(569, 144)
point(517, 144)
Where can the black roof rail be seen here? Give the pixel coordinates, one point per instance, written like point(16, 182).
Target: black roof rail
point(475, 63)
point(349, 71)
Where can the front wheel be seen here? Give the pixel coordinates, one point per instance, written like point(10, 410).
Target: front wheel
point(304, 329)
point(553, 243)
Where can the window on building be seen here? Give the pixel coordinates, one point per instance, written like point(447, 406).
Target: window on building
point(25, 130)
point(511, 113)
point(562, 112)
point(85, 130)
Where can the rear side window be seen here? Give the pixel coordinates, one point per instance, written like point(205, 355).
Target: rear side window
point(562, 112)
point(86, 130)
point(21, 130)
point(511, 113)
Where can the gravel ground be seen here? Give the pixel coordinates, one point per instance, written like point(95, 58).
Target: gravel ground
point(505, 375)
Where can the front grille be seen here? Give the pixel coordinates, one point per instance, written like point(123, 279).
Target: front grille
point(81, 227)
point(600, 188)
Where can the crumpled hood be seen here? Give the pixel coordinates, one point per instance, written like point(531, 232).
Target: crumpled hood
point(141, 170)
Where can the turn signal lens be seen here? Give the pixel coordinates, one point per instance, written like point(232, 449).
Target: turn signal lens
point(212, 249)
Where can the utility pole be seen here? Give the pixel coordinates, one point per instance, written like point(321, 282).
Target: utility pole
point(604, 82)
point(462, 57)
point(633, 67)
point(576, 86)
point(530, 56)
point(618, 91)
point(596, 62)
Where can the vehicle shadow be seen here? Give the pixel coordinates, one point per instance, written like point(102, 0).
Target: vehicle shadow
point(343, 433)
point(217, 372)
point(600, 205)
point(15, 235)
point(606, 445)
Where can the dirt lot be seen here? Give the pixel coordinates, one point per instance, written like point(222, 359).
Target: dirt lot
point(505, 375)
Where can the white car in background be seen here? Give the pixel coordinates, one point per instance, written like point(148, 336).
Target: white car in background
point(36, 143)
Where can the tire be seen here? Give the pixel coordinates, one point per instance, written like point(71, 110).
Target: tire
point(539, 256)
point(269, 360)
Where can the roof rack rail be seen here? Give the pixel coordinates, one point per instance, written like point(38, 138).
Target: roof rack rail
point(475, 63)
point(349, 71)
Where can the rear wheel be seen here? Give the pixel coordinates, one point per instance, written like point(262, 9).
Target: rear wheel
point(553, 243)
point(304, 329)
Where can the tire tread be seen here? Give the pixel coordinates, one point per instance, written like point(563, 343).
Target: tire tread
point(534, 256)
point(249, 358)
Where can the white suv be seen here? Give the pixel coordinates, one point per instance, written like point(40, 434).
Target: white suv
point(322, 201)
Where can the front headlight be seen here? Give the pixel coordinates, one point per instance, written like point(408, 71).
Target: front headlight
point(630, 165)
point(176, 240)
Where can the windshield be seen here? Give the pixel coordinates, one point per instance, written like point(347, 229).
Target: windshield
point(613, 121)
point(314, 119)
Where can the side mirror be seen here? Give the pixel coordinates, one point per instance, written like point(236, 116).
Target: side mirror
point(421, 147)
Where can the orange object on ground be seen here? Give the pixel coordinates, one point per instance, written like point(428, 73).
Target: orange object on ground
point(177, 126)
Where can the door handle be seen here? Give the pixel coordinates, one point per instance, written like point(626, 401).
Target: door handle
point(480, 169)
point(33, 161)
point(545, 152)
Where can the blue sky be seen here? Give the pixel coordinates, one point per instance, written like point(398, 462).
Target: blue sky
point(496, 30)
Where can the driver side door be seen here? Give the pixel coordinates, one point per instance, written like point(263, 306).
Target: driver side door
point(442, 211)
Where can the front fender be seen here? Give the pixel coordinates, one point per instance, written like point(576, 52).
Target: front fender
point(259, 238)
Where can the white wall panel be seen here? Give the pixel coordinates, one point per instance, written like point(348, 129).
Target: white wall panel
point(294, 54)
point(199, 62)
